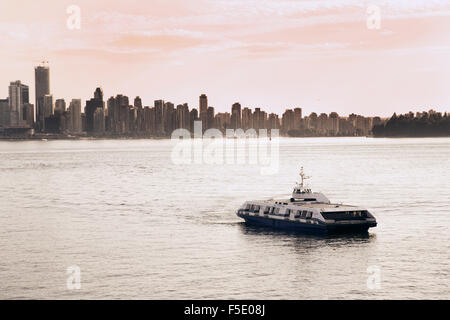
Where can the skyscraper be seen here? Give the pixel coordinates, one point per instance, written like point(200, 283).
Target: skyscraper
point(4, 112)
point(47, 106)
point(247, 118)
point(138, 102)
point(203, 103)
point(60, 106)
point(193, 116)
point(18, 96)
point(42, 84)
point(75, 115)
point(169, 118)
point(236, 116)
point(203, 108)
point(210, 118)
point(159, 120)
point(91, 107)
point(28, 114)
point(297, 118)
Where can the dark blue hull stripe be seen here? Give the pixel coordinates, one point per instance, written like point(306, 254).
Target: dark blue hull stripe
point(302, 227)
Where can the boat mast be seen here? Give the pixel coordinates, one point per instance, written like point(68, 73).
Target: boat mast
point(303, 177)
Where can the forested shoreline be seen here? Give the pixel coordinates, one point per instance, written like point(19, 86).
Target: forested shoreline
point(422, 124)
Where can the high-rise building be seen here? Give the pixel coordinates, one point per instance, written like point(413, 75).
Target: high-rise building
point(273, 121)
point(98, 94)
point(203, 108)
point(182, 114)
point(297, 118)
point(18, 96)
point(169, 117)
point(210, 118)
point(25, 93)
point(257, 119)
point(203, 103)
point(236, 116)
point(247, 118)
point(311, 121)
point(223, 121)
point(91, 106)
point(287, 121)
point(138, 102)
point(47, 106)
point(99, 121)
point(150, 118)
point(42, 84)
point(159, 119)
point(322, 124)
point(60, 106)
point(4, 112)
point(28, 114)
point(75, 115)
point(193, 116)
point(334, 123)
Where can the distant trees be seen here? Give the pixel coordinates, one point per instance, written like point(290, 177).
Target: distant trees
point(423, 124)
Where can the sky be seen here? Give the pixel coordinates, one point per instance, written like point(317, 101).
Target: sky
point(320, 55)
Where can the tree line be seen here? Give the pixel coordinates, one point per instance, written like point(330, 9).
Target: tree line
point(424, 124)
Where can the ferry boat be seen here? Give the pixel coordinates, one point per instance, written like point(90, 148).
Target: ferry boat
point(308, 212)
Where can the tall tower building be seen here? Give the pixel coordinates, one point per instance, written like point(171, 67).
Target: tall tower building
point(42, 84)
point(236, 116)
point(297, 118)
point(138, 102)
point(18, 96)
point(75, 114)
point(4, 112)
point(91, 106)
point(203, 103)
point(169, 117)
point(203, 108)
point(159, 117)
point(47, 107)
point(98, 94)
point(210, 118)
point(60, 106)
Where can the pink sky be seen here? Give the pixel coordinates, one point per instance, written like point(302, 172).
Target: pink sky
point(273, 54)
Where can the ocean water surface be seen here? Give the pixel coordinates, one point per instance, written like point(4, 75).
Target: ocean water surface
point(140, 226)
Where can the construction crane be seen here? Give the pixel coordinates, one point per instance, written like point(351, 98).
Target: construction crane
point(41, 63)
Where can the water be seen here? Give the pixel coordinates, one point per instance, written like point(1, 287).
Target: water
point(139, 226)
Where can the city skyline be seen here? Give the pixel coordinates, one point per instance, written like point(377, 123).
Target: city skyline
point(42, 74)
point(317, 55)
point(117, 116)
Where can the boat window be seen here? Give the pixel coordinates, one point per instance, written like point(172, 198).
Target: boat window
point(303, 214)
point(256, 209)
point(308, 215)
point(266, 210)
point(271, 210)
point(247, 207)
point(277, 210)
point(298, 213)
point(287, 212)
